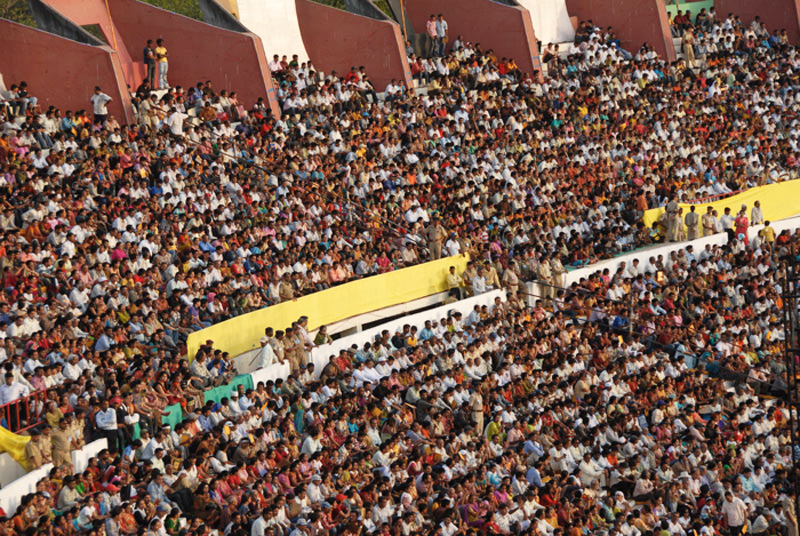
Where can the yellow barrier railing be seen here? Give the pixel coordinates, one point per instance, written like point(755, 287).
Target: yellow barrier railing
point(778, 201)
point(242, 333)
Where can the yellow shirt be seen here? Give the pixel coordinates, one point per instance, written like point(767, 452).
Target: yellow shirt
point(768, 234)
point(161, 54)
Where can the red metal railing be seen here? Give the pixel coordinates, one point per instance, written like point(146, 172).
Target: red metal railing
point(24, 413)
point(710, 198)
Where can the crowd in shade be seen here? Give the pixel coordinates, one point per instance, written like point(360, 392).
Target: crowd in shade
point(580, 415)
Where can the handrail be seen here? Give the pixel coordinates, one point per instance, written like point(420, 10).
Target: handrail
point(24, 413)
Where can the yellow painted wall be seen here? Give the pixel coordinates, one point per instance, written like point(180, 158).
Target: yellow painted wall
point(778, 201)
point(242, 333)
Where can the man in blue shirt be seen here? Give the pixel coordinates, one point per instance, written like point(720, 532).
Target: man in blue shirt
point(534, 478)
point(441, 34)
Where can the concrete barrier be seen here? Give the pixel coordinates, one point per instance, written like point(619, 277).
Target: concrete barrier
point(231, 60)
point(63, 72)
point(337, 40)
point(775, 14)
point(14, 490)
point(506, 29)
point(634, 21)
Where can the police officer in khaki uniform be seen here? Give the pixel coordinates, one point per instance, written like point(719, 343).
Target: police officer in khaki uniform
point(476, 407)
point(546, 279)
point(558, 272)
point(435, 234)
point(708, 222)
point(293, 349)
point(490, 272)
point(38, 450)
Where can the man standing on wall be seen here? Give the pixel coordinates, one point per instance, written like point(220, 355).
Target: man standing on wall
point(430, 30)
point(441, 34)
point(149, 55)
point(163, 64)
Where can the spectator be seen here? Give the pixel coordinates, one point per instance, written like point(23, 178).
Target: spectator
point(149, 55)
point(162, 64)
point(99, 102)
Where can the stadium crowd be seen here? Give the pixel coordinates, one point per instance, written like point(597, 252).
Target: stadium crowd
point(119, 240)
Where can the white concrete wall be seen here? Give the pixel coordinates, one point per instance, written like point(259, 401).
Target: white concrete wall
point(17, 483)
point(320, 355)
point(667, 248)
point(550, 20)
point(275, 22)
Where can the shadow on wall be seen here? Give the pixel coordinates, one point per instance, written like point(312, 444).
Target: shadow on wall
point(503, 28)
point(231, 60)
point(337, 40)
point(634, 21)
point(29, 56)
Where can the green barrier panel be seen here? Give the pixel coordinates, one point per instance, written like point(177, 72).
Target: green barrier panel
point(693, 7)
point(218, 393)
point(175, 415)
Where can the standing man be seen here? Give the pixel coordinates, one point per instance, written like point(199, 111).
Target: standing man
point(673, 221)
point(511, 280)
point(175, 121)
point(756, 216)
point(708, 222)
point(99, 101)
point(727, 223)
point(163, 64)
point(476, 407)
point(62, 445)
point(558, 271)
point(767, 234)
point(11, 391)
point(692, 221)
point(735, 512)
point(455, 283)
point(106, 421)
point(441, 34)
point(37, 450)
point(430, 30)
point(435, 234)
point(546, 280)
point(305, 338)
point(478, 283)
point(149, 56)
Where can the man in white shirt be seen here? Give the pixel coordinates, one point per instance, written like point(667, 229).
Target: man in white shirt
point(155, 443)
point(727, 222)
point(735, 512)
point(478, 283)
point(12, 390)
point(175, 121)
point(275, 64)
point(106, 420)
point(259, 526)
point(99, 101)
point(9, 392)
point(312, 443)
